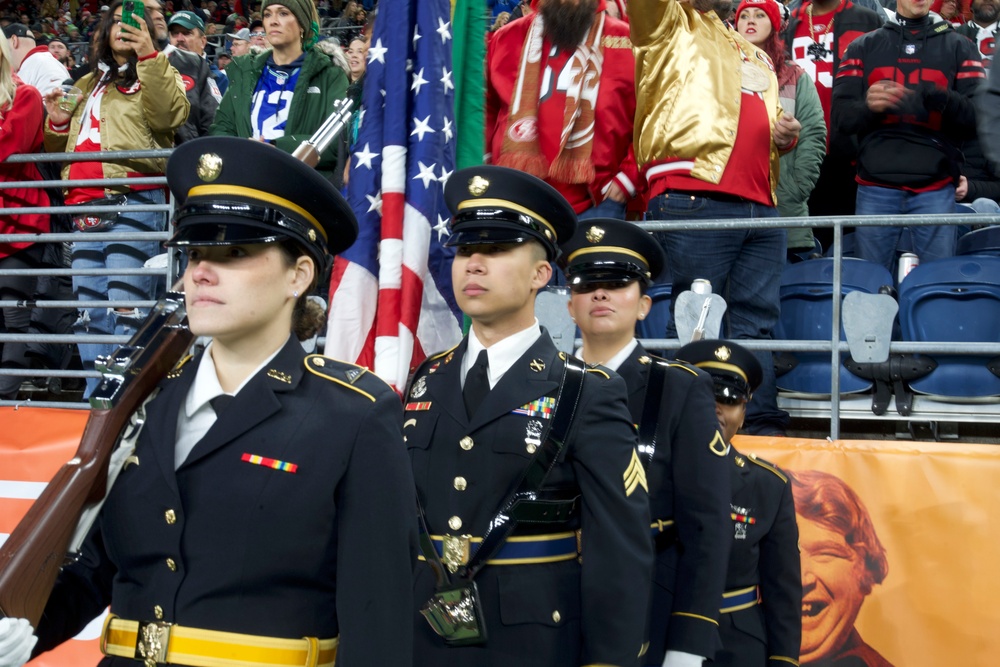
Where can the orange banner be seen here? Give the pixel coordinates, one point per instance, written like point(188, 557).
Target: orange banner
point(34, 443)
point(933, 507)
point(908, 543)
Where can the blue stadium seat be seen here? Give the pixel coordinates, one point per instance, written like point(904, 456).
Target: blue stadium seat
point(954, 299)
point(655, 324)
point(806, 302)
point(985, 241)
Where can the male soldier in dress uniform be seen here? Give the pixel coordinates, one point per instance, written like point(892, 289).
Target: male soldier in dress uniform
point(265, 507)
point(761, 621)
point(609, 265)
point(475, 417)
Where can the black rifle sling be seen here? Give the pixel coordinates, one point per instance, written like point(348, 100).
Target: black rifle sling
point(651, 411)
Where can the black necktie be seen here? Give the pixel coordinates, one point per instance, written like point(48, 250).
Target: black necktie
point(477, 384)
point(220, 402)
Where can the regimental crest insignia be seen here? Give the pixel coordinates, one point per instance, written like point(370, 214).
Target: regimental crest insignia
point(595, 234)
point(209, 167)
point(478, 186)
point(722, 353)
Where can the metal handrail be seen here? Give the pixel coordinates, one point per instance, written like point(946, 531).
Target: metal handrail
point(835, 346)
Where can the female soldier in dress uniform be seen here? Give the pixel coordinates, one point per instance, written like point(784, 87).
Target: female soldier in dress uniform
point(761, 622)
point(258, 533)
point(609, 264)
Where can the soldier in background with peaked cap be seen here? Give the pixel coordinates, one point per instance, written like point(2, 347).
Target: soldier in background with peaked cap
point(761, 619)
point(609, 265)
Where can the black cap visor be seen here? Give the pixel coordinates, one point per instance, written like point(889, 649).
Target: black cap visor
point(495, 226)
point(621, 273)
point(730, 389)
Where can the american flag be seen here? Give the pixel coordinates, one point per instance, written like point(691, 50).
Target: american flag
point(391, 299)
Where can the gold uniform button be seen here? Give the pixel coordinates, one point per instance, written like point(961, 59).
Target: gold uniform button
point(172, 565)
point(556, 616)
point(466, 443)
point(531, 448)
point(454, 523)
point(158, 612)
point(170, 516)
point(460, 484)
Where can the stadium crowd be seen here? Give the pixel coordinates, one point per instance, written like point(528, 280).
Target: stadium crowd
point(598, 113)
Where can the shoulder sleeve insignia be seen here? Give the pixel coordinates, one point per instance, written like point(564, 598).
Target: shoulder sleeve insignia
point(349, 376)
point(767, 465)
point(635, 475)
point(718, 446)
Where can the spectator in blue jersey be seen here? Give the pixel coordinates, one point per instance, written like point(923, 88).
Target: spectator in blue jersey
point(281, 96)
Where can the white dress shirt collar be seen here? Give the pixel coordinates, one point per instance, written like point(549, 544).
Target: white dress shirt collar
point(615, 362)
point(502, 355)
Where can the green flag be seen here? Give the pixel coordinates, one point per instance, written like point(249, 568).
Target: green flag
point(470, 19)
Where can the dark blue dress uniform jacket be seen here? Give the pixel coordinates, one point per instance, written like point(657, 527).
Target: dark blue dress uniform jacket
point(562, 614)
point(764, 552)
point(327, 550)
point(688, 483)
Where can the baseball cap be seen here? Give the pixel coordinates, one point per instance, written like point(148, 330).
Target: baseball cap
point(242, 33)
point(187, 19)
point(18, 30)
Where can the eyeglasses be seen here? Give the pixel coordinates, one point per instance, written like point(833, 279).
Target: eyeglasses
point(258, 34)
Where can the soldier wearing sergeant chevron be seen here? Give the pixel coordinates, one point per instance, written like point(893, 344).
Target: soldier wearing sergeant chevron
point(761, 622)
point(276, 528)
point(524, 458)
point(609, 264)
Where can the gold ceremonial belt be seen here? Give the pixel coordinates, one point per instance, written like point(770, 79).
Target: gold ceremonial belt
point(157, 643)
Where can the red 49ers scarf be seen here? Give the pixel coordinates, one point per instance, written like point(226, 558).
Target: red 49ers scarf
point(550, 129)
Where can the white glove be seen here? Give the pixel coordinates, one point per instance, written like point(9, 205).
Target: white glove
point(17, 638)
point(682, 659)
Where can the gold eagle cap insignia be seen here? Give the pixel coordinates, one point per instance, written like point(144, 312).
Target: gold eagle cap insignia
point(722, 353)
point(595, 234)
point(478, 185)
point(209, 167)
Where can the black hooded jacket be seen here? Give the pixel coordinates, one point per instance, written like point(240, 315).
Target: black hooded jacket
point(915, 145)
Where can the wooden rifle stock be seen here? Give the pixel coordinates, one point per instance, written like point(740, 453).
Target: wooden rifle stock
point(32, 556)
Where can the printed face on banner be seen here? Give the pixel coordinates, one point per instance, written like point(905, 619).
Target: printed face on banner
point(833, 576)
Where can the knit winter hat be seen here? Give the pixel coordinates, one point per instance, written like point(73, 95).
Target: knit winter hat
point(305, 12)
point(770, 7)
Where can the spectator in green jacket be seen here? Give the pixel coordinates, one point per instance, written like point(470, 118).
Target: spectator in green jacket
point(283, 95)
point(761, 22)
